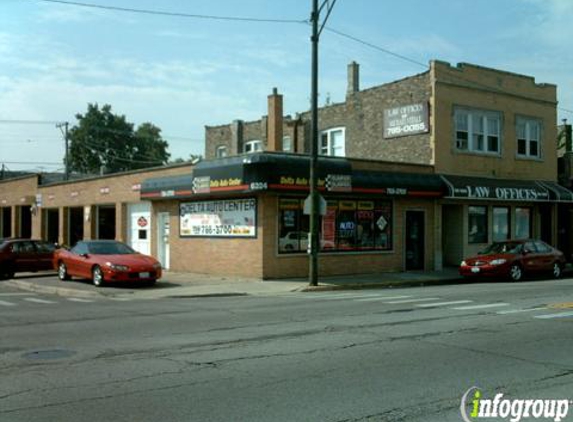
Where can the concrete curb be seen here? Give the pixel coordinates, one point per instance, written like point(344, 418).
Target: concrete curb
point(382, 285)
point(58, 291)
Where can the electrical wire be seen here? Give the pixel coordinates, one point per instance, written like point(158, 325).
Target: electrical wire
point(174, 14)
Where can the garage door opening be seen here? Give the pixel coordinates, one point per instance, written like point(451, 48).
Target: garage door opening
point(6, 222)
point(75, 225)
point(105, 222)
point(51, 230)
point(25, 221)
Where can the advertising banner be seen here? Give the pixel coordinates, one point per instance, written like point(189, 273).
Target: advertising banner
point(406, 120)
point(223, 218)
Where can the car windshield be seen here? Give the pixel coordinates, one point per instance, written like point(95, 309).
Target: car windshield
point(503, 247)
point(109, 248)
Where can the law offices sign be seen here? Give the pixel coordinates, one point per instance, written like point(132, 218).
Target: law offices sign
point(406, 120)
point(496, 189)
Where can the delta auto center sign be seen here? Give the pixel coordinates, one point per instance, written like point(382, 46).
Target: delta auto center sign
point(406, 120)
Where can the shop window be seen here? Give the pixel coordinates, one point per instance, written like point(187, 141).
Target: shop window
point(477, 224)
point(287, 144)
point(348, 225)
point(332, 142)
point(523, 223)
point(221, 151)
point(500, 224)
point(528, 137)
point(477, 131)
point(252, 146)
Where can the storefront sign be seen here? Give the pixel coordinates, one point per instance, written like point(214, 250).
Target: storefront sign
point(406, 120)
point(225, 218)
point(202, 184)
point(339, 183)
point(504, 194)
point(142, 222)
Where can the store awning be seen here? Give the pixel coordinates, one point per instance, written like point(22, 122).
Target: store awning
point(477, 188)
point(167, 187)
point(405, 184)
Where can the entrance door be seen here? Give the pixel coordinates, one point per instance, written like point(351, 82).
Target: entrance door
point(51, 225)
point(163, 239)
point(139, 223)
point(75, 225)
point(415, 240)
point(105, 222)
point(546, 228)
point(25, 222)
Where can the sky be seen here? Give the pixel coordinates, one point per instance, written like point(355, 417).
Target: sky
point(183, 73)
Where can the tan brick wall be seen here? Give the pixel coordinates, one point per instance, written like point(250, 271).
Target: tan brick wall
point(492, 90)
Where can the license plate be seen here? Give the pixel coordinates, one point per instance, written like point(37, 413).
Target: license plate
point(144, 275)
point(475, 270)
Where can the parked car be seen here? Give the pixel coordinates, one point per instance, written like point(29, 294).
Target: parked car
point(293, 241)
point(514, 259)
point(24, 255)
point(106, 261)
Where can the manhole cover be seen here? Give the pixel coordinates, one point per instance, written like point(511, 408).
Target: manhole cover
point(49, 354)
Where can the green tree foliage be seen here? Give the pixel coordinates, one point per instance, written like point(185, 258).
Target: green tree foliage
point(104, 141)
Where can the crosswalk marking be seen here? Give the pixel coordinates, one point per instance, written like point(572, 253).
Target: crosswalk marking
point(424, 299)
point(455, 302)
point(489, 305)
point(551, 316)
point(518, 311)
point(4, 303)
point(120, 299)
point(337, 296)
point(35, 300)
point(15, 294)
point(78, 299)
point(378, 298)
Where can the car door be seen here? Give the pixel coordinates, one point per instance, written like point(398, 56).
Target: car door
point(530, 259)
point(44, 255)
point(74, 259)
point(545, 256)
point(24, 255)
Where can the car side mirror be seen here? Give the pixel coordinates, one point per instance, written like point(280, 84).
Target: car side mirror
point(525, 252)
point(84, 255)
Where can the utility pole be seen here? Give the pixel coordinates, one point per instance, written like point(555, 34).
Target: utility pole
point(65, 133)
point(314, 197)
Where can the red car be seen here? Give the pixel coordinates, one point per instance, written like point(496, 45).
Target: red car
point(106, 261)
point(18, 255)
point(514, 259)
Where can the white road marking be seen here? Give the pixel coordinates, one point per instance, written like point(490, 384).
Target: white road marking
point(4, 303)
point(120, 299)
point(35, 300)
point(378, 298)
point(337, 296)
point(425, 299)
point(455, 302)
point(489, 305)
point(550, 316)
point(78, 299)
point(16, 294)
point(517, 311)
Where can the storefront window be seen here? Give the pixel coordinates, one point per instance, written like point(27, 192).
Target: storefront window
point(500, 224)
point(348, 225)
point(523, 223)
point(477, 224)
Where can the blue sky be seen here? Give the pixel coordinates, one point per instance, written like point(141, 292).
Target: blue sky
point(182, 74)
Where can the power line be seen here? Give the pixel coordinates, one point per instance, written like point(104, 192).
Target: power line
point(32, 163)
point(174, 14)
point(29, 122)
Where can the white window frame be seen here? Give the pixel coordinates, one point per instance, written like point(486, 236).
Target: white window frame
point(250, 147)
point(221, 151)
point(287, 140)
point(529, 122)
point(475, 118)
point(331, 149)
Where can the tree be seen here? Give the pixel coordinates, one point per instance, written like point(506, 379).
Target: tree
point(105, 142)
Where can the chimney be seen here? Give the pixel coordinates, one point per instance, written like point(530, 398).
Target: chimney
point(275, 122)
point(353, 79)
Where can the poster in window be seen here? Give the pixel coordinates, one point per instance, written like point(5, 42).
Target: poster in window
point(224, 218)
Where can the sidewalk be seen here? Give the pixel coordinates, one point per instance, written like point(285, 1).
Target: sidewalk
point(201, 285)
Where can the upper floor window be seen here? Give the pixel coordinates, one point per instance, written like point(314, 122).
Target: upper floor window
point(478, 131)
point(528, 137)
point(252, 146)
point(332, 142)
point(287, 144)
point(221, 151)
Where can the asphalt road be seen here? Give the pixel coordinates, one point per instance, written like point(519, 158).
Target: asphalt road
point(371, 355)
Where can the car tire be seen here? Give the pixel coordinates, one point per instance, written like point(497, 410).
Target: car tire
point(7, 271)
point(63, 272)
point(97, 276)
point(557, 271)
point(515, 272)
point(150, 283)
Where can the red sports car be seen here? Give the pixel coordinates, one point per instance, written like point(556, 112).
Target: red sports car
point(106, 261)
point(514, 259)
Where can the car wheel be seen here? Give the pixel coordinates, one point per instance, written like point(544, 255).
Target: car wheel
point(557, 270)
point(7, 271)
point(150, 283)
point(516, 272)
point(63, 272)
point(97, 276)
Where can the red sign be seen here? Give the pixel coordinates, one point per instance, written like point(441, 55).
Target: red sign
point(142, 222)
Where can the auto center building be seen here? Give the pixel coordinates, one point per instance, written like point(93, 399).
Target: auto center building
point(415, 175)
